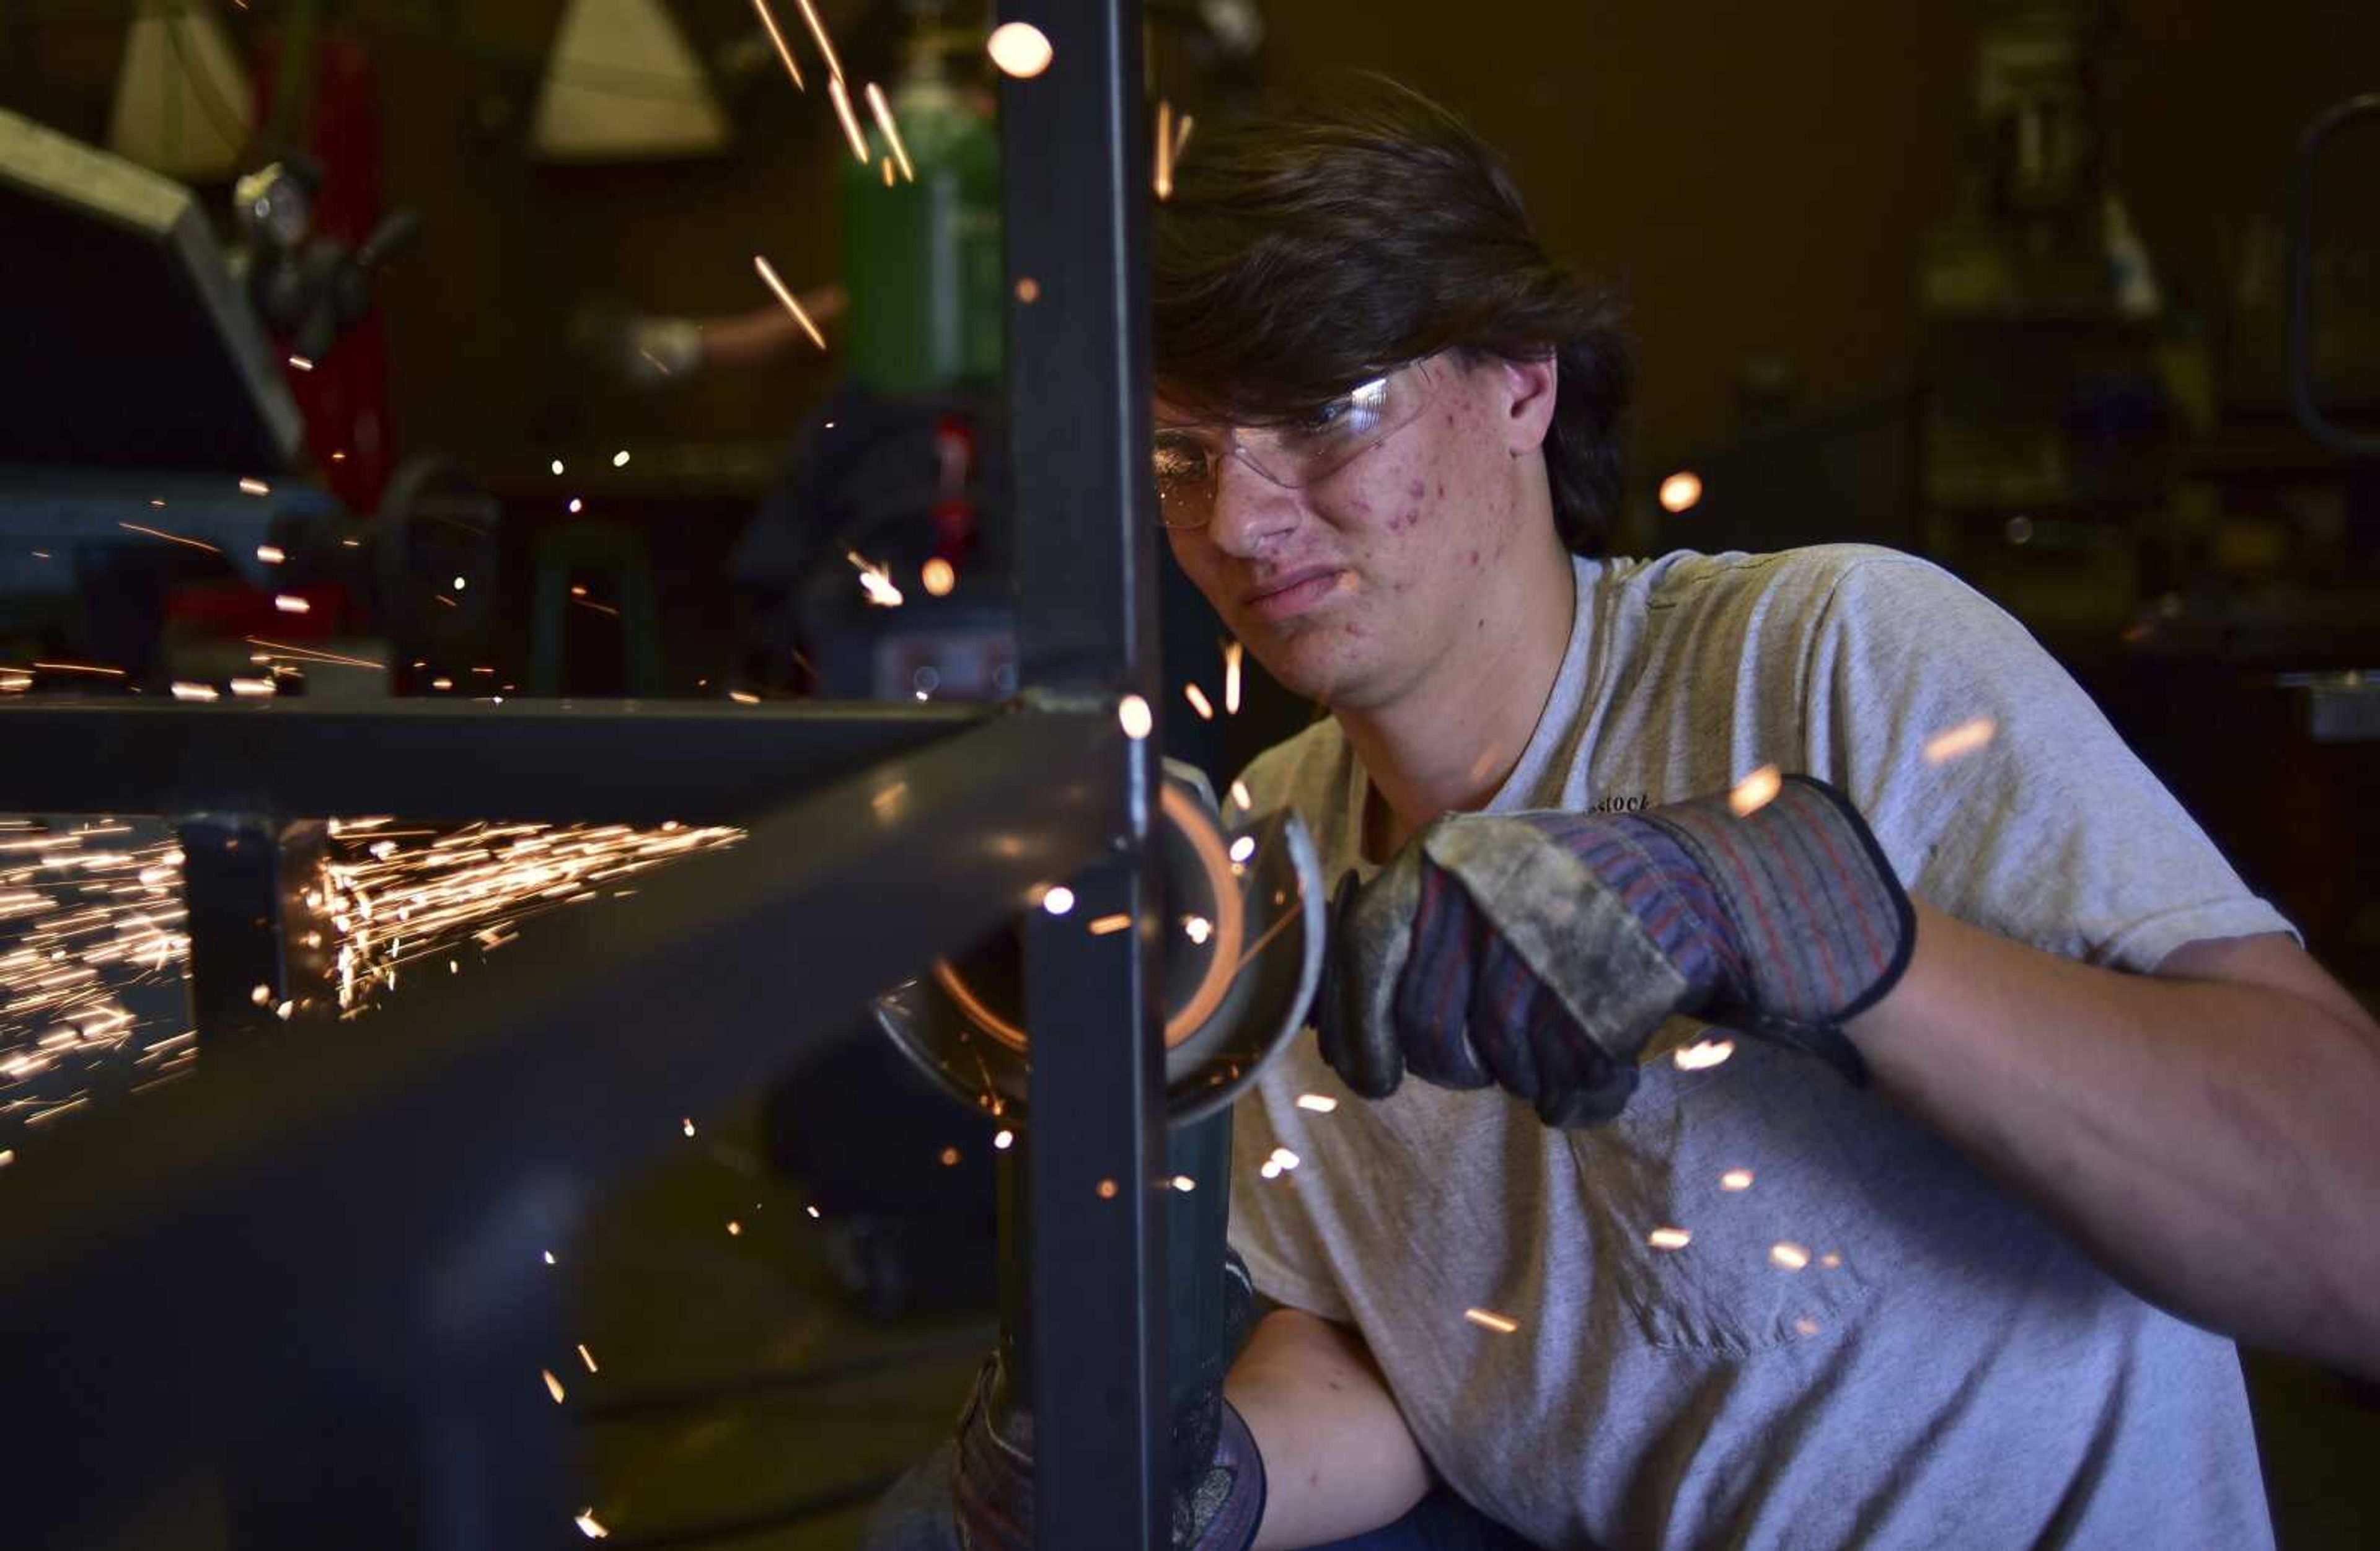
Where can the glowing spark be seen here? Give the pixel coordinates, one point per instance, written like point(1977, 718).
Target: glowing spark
point(548, 1257)
point(1489, 1319)
point(8, 1157)
point(1107, 1190)
point(1285, 1157)
point(290, 603)
point(1232, 650)
point(1019, 49)
point(589, 1358)
point(301, 363)
point(1807, 1325)
point(1184, 1183)
point(441, 683)
point(1243, 848)
point(1240, 795)
point(1003, 1140)
point(1965, 738)
point(552, 1385)
point(1138, 719)
point(269, 554)
point(1320, 1103)
point(735, 1228)
point(1164, 181)
point(185, 691)
point(1669, 1238)
point(938, 578)
point(307, 654)
point(590, 1527)
point(689, 1125)
point(1787, 1255)
point(557, 466)
point(786, 297)
point(1270, 1170)
point(460, 584)
point(1028, 290)
point(284, 1010)
point(78, 668)
point(171, 537)
point(1703, 1054)
point(1198, 928)
point(1831, 1260)
point(620, 458)
point(254, 487)
point(744, 697)
point(851, 131)
point(1107, 924)
point(813, 1211)
point(876, 581)
point(577, 506)
point(1736, 1178)
point(1754, 791)
point(1680, 491)
point(1059, 900)
point(1198, 702)
point(260, 994)
point(1182, 136)
point(818, 31)
point(884, 112)
point(778, 38)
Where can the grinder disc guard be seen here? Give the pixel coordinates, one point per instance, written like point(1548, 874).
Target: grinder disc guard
point(1243, 950)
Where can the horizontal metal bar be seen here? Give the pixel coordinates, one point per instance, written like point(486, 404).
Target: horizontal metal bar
point(621, 761)
point(179, 1266)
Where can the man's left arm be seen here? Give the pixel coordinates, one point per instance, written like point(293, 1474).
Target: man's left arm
point(2210, 1130)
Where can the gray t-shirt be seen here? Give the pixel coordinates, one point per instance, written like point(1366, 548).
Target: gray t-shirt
point(1861, 1341)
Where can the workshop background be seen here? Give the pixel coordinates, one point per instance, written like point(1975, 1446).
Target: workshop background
point(2001, 284)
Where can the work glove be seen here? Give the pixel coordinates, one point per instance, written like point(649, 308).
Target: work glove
point(1540, 951)
point(1219, 1477)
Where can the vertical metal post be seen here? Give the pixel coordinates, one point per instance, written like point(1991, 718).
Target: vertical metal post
point(1073, 173)
point(243, 877)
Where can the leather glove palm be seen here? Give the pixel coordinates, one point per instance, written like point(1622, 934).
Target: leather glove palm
point(1540, 951)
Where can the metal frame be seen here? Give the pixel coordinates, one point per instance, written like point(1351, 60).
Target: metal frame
point(345, 1227)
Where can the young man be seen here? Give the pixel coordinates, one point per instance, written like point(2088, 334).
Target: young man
point(1883, 1153)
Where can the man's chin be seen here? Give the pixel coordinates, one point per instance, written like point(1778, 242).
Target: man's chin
point(1314, 664)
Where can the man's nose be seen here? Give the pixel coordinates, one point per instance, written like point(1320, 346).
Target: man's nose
point(1252, 513)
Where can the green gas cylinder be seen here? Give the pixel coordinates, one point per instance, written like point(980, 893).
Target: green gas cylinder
point(921, 259)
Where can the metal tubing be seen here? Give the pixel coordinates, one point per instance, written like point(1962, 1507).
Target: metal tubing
point(394, 1177)
point(608, 761)
point(1074, 179)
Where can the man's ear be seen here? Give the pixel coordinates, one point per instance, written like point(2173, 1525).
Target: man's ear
point(1526, 402)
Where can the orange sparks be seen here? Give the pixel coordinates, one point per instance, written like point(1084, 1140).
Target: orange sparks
point(1240, 795)
point(826, 46)
point(1701, 1054)
point(1107, 1190)
point(308, 654)
point(689, 1125)
point(876, 581)
point(938, 578)
point(1164, 149)
point(949, 1157)
point(552, 1385)
point(588, 1527)
point(1669, 1238)
point(290, 603)
point(769, 277)
point(1320, 1103)
point(78, 668)
point(850, 120)
point(888, 172)
point(270, 554)
point(548, 1257)
point(1754, 791)
point(1107, 924)
point(1283, 1159)
point(254, 487)
point(1787, 1255)
point(1232, 684)
point(1488, 1319)
point(1182, 136)
point(1058, 899)
point(1001, 1141)
point(1831, 1261)
point(1243, 848)
point(770, 22)
point(1198, 702)
point(1019, 49)
point(588, 1357)
point(301, 363)
point(1806, 1325)
point(1198, 928)
point(1965, 738)
point(744, 697)
point(1184, 1183)
point(735, 1228)
point(1680, 493)
point(184, 690)
point(170, 538)
point(1028, 290)
point(1736, 1178)
point(1138, 719)
point(884, 112)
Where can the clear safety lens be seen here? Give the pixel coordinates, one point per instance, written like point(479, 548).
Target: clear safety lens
point(1294, 454)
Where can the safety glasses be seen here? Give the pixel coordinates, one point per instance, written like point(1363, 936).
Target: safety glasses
point(1293, 455)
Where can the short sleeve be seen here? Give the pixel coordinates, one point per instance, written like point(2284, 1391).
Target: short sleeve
point(1998, 788)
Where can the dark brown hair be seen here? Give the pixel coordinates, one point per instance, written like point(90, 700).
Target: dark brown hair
point(1362, 225)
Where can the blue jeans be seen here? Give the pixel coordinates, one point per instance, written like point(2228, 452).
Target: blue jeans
point(916, 1516)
